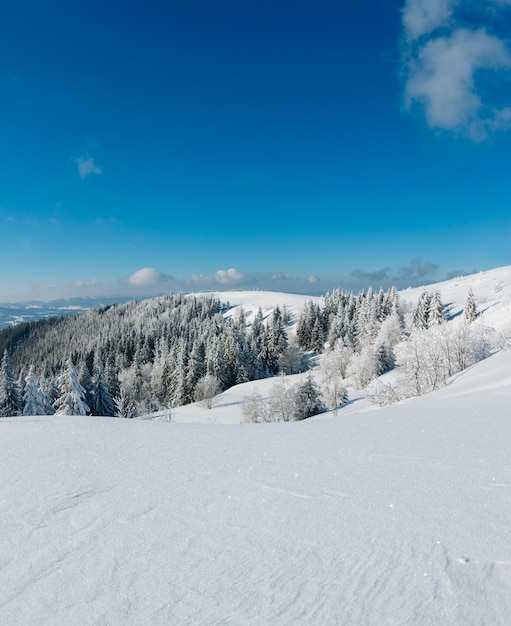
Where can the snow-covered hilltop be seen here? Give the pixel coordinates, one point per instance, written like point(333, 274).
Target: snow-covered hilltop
point(492, 291)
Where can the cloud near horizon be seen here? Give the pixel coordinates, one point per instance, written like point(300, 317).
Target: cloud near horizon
point(222, 278)
point(86, 284)
point(455, 64)
point(416, 273)
point(150, 282)
point(413, 275)
point(148, 277)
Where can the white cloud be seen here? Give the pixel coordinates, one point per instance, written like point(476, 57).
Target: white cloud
point(229, 277)
point(83, 284)
point(225, 278)
point(146, 277)
point(86, 166)
point(423, 16)
point(442, 78)
point(452, 73)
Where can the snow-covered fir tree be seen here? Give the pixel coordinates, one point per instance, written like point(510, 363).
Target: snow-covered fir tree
point(102, 401)
point(33, 398)
point(436, 310)
point(470, 310)
point(10, 400)
point(420, 317)
point(71, 400)
point(308, 400)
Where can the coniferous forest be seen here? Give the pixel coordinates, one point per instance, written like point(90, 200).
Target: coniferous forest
point(139, 357)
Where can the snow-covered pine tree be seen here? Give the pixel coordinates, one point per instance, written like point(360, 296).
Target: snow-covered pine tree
point(48, 393)
point(10, 400)
point(470, 310)
point(385, 358)
point(102, 401)
point(366, 321)
point(257, 331)
point(112, 380)
point(33, 399)
point(181, 392)
point(420, 316)
point(308, 400)
point(72, 395)
point(196, 367)
point(309, 329)
point(436, 310)
point(316, 340)
point(21, 382)
point(274, 341)
point(85, 380)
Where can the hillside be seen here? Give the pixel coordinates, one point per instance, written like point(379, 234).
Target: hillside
point(397, 515)
point(157, 353)
point(492, 290)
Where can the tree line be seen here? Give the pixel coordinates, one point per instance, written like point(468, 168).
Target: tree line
point(139, 357)
point(135, 358)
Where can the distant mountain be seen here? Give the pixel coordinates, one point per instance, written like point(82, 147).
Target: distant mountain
point(34, 310)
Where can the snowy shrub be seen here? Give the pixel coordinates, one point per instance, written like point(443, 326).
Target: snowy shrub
point(503, 338)
point(383, 394)
point(335, 394)
point(281, 403)
point(363, 367)
point(421, 362)
point(206, 390)
point(255, 408)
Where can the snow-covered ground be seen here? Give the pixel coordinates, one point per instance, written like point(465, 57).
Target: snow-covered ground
point(492, 291)
point(251, 301)
point(398, 515)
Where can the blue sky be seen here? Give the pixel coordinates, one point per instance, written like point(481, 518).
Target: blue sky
point(283, 145)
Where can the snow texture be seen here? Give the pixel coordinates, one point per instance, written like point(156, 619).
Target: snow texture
point(397, 515)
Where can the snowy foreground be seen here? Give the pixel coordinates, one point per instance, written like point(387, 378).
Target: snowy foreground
point(386, 516)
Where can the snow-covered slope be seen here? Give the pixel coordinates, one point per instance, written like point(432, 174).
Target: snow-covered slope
point(251, 301)
point(492, 291)
point(389, 516)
